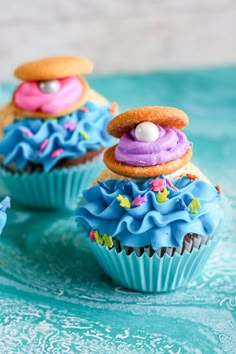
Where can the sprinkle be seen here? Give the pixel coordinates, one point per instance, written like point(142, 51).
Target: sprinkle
point(28, 132)
point(70, 126)
point(194, 205)
point(162, 196)
point(123, 201)
point(158, 185)
point(104, 186)
point(56, 153)
point(44, 144)
point(84, 135)
point(192, 177)
point(168, 181)
point(91, 235)
point(5, 204)
point(107, 239)
point(218, 188)
point(98, 238)
point(84, 109)
point(113, 108)
point(139, 200)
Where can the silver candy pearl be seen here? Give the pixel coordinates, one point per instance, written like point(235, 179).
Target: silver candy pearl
point(49, 86)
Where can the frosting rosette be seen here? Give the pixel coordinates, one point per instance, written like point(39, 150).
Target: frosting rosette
point(170, 145)
point(30, 97)
point(45, 142)
point(157, 212)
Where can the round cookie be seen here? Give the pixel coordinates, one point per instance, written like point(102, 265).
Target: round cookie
point(147, 171)
point(164, 116)
point(54, 68)
point(188, 170)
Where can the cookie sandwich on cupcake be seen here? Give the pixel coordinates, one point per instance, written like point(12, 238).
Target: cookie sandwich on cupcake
point(55, 134)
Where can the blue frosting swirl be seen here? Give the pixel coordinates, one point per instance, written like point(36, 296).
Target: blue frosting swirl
point(46, 142)
point(152, 223)
point(4, 205)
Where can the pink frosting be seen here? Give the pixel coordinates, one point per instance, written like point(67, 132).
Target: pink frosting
point(29, 97)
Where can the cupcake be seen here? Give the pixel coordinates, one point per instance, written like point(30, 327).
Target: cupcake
point(54, 133)
point(151, 218)
point(4, 205)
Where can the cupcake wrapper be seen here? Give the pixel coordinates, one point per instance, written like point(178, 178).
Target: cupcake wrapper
point(57, 189)
point(188, 245)
point(152, 273)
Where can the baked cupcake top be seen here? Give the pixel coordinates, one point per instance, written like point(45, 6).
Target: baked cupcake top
point(151, 142)
point(57, 116)
point(4, 205)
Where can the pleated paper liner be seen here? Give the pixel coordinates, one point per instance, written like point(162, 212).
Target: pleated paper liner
point(146, 270)
point(58, 189)
point(190, 241)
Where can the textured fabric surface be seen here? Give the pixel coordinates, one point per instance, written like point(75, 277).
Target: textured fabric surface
point(55, 298)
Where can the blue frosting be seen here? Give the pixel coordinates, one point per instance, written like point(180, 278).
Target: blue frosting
point(4, 205)
point(23, 139)
point(152, 223)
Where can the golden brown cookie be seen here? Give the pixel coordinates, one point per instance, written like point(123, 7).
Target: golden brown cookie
point(144, 171)
point(189, 168)
point(54, 68)
point(164, 116)
point(20, 113)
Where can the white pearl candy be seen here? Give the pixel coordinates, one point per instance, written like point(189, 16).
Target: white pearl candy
point(147, 132)
point(49, 86)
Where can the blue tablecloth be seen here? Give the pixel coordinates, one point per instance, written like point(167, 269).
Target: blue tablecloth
point(54, 298)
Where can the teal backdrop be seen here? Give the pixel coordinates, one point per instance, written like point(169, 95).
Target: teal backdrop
point(54, 298)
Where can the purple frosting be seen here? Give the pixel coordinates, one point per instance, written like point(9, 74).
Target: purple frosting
point(171, 145)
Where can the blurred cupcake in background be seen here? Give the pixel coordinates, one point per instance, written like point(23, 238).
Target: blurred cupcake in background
point(55, 134)
point(152, 218)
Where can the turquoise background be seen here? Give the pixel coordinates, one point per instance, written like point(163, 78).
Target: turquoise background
point(54, 298)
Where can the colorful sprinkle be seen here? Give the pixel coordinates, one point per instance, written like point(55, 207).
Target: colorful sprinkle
point(194, 205)
point(139, 200)
point(28, 133)
point(84, 135)
point(70, 126)
point(107, 239)
point(123, 201)
point(162, 196)
point(44, 144)
point(91, 235)
point(218, 188)
point(98, 238)
point(168, 181)
point(56, 153)
point(158, 184)
point(191, 176)
point(84, 109)
point(113, 108)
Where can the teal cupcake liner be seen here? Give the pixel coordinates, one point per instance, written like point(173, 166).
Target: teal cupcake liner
point(152, 273)
point(58, 189)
